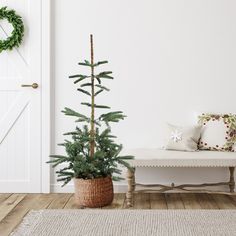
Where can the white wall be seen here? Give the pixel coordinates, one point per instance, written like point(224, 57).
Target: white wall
point(170, 59)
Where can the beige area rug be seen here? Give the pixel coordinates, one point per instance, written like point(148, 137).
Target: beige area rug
point(128, 222)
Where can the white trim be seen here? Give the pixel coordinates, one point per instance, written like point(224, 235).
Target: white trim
point(69, 188)
point(46, 94)
point(120, 188)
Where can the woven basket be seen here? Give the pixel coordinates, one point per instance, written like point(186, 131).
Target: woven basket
point(94, 192)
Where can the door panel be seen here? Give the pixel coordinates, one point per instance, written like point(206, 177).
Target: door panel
point(20, 108)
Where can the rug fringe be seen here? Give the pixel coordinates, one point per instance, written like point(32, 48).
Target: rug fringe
point(31, 218)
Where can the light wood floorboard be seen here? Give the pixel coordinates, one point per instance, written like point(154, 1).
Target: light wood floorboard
point(174, 201)
point(190, 201)
point(13, 207)
point(71, 203)
point(224, 202)
point(60, 200)
point(206, 201)
point(9, 204)
point(118, 202)
point(4, 196)
point(158, 201)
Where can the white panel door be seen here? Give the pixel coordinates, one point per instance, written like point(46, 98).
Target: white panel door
point(20, 107)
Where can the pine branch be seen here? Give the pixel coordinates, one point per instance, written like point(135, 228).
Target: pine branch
point(86, 84)
point(100, 63)
point(99, 91)
point(84, 91)
point(102, 87)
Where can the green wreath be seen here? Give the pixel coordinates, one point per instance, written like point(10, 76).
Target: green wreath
point(15, 39)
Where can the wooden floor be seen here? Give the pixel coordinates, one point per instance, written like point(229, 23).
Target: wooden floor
point(13, 207)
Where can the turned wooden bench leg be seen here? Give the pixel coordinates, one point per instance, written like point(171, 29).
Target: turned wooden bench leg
point(131, 186)
point(133, 182)
point(231, 181)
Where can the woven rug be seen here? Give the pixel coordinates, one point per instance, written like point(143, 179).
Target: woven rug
point(128, 222)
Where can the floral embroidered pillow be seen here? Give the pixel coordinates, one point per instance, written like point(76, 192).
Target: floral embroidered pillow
point(182, 138)
point(218, 133)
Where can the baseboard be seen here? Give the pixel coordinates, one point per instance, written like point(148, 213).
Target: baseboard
point(69, 188)
point(118, 188)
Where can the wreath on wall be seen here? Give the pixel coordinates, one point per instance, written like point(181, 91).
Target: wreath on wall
point(15, 39)
point(229, 121)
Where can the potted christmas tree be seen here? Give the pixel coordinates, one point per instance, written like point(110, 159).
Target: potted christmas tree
point(93, 157)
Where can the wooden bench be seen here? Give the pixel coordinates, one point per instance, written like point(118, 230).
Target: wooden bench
point(147, 158)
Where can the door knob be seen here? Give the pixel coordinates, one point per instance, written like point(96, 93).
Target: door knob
point(34, 85)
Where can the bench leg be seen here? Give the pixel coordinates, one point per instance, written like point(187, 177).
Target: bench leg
point(131, 186)
point(133, 180)
point(231, 181)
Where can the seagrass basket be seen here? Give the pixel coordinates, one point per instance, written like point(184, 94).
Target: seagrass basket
point(93, 192)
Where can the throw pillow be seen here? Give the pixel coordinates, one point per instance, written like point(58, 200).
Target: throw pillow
point(182, 138)
point(218, 133)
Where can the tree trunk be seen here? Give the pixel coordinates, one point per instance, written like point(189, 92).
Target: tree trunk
point(92, 130)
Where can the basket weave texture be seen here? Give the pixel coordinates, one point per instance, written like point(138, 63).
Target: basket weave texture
point(92, 193)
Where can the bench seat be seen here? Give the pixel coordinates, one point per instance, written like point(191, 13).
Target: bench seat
point(168, 158)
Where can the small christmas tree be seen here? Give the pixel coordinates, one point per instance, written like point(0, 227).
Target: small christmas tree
point(91, 151)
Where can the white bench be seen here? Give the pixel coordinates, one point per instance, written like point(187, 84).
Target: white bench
point(162, 158)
